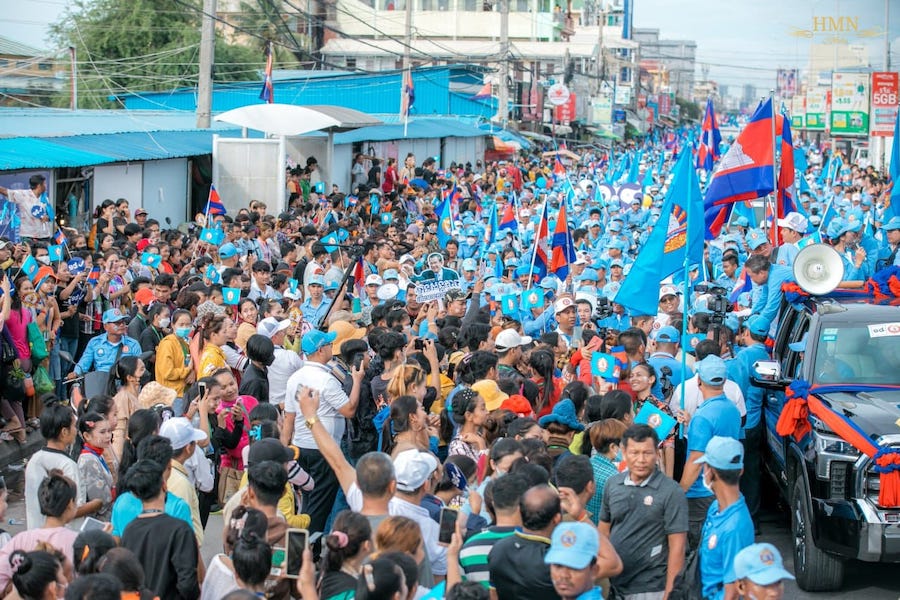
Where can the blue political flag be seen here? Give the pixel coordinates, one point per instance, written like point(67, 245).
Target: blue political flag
point(604, 366)
point(510, 304)
point(893, 209)
point(651, 415)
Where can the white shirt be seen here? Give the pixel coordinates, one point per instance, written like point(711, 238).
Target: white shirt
point(693, 398)
point(30, 226)
point(331, 399)
point(39, 466)
point(397, 507)
point(199, 470)
point(286, 363)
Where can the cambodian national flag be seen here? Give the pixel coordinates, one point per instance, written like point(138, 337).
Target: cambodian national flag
point(214, 204)
point(559, 169)
point(710, 138)
point(562, 247)
point(785, 202)
point(743, 285)
point(407, 95)
point(267, 93)
point(541, 256)
point(59, 237)
point(359, 276)
point(508, 221)
point(483, 94)
point(746, 172)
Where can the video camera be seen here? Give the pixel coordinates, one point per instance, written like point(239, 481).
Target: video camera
point(717, 302)
point(603, 310)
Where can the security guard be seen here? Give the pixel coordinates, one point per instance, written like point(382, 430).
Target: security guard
point(102, 351)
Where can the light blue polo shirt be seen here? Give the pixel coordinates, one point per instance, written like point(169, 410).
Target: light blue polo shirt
point(724, 535)
point(716, 416)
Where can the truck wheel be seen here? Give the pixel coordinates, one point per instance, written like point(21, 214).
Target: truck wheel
point(816, 571)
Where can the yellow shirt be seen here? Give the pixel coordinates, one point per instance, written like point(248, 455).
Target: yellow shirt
point(171, 370)
point(180, 484)
point(211, 360)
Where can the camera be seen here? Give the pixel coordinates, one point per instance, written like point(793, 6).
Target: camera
point(604, 309)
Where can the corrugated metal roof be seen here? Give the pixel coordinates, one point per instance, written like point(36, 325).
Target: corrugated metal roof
point(31, 153)
point(142, 146)
point(49, 122)
point(11, 47)
point(419, 128)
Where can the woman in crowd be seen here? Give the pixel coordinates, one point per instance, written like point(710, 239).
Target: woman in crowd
point(606, 439)
point(255, 382)
point(213, 335)
point(462, 424)
point(159, 319)
point(174, 365)
point(406, 426)
point(37, 575)
point(95, 475)
point(391, 349)
point(349, 544)
point(642, 380)
point(248, 313)
point(122, 565)
point(56, 496)
point(382, 579)
point(400, 534)
point(144, 422)
point(105, 406)
point(220, 574)
point(125, 388)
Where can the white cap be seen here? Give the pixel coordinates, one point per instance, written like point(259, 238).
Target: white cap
point(667, 290)
point(270, 326)
point(510, 338)
point(794, 221)
point(412, 468)
point(562, 304)
point(180, 432)
point(407, 258)
point(373, 279)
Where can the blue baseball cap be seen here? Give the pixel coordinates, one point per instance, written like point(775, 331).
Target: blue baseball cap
point(550, 283)
point(588, 275)
point(799, 346)
point(316, 340)
point(113, 315)
point(469, 264)
point(742, 222)
point(228, 250)
point(316, 280)
point(615, 226)
point(332, 285)
point(667, 335)
point(573, 545)
point(391, 274)
point(760, 563)
point(756, 238)
point(563, 413)
point(892, 225)
point(724, 453)
point(712, 370)
point(757, 325)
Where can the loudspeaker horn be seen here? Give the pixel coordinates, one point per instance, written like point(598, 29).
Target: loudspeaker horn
point(818, 269)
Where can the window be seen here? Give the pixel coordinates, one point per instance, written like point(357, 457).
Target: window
point(350, 62)
point(859, 353)
point(44, 66)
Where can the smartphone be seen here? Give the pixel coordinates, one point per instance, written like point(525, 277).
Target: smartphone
point(201, 388)
point(358, 360)
point(278, 556)
point(90, 524)
point(447, 525)
point(419, 344)
point(297, 540)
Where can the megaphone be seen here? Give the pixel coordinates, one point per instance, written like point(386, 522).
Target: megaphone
point(387, 291)
point(818, 269)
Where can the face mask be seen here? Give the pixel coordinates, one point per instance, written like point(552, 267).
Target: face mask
point(471, 241)
point(44, 260)
point(183, 332)
point(707, 484)
point(164, 322)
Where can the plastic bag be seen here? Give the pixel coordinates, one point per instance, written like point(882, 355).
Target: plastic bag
point(43, 384)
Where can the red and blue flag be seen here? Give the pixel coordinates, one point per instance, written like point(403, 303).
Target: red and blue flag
point(59, 237)
point(742, 285)
point(214, 204)
point(562, 248)
point(508, 220)
point(541, 256)
point(746, 172)
point(710, 138)
point(785, 202)
point(267, 94)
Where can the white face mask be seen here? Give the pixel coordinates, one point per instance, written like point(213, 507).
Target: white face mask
point(44, 260)
point(470, 240)
point(164, 322)
point(707, 484)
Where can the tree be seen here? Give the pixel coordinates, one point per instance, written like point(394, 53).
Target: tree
point(276, 21)
point(689, 110)
point(127, 46)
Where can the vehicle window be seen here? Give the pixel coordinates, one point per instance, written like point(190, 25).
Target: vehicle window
point(858, 353)
point(788, 316)
point(790, 360)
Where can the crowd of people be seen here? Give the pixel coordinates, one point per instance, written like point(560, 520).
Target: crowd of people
point(352, 367)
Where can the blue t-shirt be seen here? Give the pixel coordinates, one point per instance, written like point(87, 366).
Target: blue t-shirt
point(716, 416)
point(127, 508)
point(724, 535)
point(753, 395)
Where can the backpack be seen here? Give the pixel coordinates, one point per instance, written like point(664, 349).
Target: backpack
point(361, 435)
point(687, 584)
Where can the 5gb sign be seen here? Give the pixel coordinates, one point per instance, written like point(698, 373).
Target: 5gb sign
point(885, 87)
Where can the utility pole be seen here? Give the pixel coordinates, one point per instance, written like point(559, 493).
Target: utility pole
point(207, 58)
point(406, 53)
point(599, 65)
point(503, 92)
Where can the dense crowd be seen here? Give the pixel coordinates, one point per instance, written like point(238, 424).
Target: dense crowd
point(364, 370)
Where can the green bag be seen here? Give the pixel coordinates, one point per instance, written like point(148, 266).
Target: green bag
point(42, 382)
point(36, 340)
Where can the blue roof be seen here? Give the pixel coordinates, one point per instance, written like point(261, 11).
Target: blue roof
point(31, 153)
point(49, 122)
point(418, 128)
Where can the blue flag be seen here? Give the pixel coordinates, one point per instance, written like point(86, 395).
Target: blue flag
point(330, 241)
point(231, 295)
point(55, 252)
point(634, 171)
point(212, 274)
point(212, 236)
point(148, 259)
point(604, 365)
point(490, 236)
point(533, 298)
point(893, 209)
point(657, 419)
point(665, 249)
point(30, 267)
point(445, 223)
point(510, 304)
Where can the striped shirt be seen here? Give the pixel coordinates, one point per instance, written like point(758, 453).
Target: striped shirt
point(603, 470)
point(473, 556)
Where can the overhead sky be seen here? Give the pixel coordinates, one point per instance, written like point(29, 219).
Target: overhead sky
point(740, 41)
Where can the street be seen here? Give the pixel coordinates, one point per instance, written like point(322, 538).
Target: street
point(863, 580)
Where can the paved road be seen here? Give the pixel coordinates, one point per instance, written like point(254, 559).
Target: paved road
point(868, 581)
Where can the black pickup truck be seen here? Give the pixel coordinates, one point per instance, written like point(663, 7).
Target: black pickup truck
point(852, 345)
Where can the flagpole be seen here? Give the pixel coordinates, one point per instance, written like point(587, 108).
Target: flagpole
point(775, 172)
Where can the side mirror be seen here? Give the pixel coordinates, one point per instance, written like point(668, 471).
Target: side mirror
point(767, 374)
